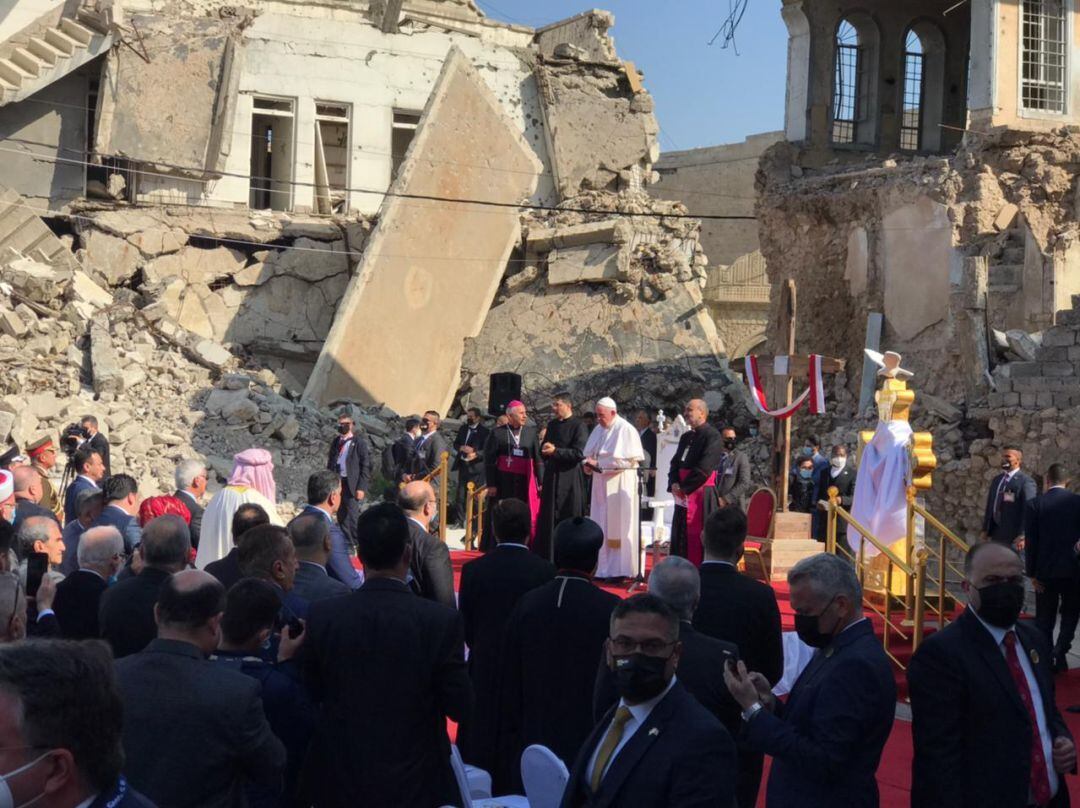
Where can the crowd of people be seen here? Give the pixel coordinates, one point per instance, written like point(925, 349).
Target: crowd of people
point(179, 651)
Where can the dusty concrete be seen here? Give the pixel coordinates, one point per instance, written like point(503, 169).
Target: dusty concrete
point(431, 269)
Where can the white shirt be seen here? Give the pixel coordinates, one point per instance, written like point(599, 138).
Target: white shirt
point(343, 454)
point(716, 561)
point(639, 714)
point(513, 544)
point(1036, 696)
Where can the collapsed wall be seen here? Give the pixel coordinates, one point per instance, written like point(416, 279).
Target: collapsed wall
point(972, 259)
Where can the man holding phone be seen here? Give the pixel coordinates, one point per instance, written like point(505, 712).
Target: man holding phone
point(43, 550)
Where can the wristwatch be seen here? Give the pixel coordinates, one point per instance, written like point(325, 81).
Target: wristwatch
point(752, 710)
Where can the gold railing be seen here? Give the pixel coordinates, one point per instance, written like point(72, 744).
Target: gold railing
point(441, 471)
point(475, 504)
point(937, 604)
point(913, 603)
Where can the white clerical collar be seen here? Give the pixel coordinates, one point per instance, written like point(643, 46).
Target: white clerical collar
point(641, 711)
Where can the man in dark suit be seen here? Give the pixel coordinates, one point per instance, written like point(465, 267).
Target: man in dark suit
point(350, 457)
point(227, 569)
point(190, 478)
point(431, 573)
point(251, 613)
point(96, 441)
point(985, 725)
point(1052, 527)
point(78, 596)
point(89, 472)
point(194, 731)
point(387, 669)
point(266, 552)
point(126, 615)
point(469, 456)
point(429, 448)
point(310, 536)
point(79, 711)
point(28, 492)
point(397, 458)
point(735, 607)
point(122, 509)
point(658, 745)
point(841, 474)
point(677, 583)
point(553, 641)
point(490, 588)
point(733, 482)
point(325, 497)
point(1007, 501)
point(643, 422)
point(826, 741)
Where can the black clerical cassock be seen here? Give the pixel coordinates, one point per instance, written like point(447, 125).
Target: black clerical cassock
point(694, 469)
point(514, 467)
point(563, 494)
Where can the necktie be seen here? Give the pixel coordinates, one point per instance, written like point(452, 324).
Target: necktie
point(1040, 779)
point(607, 748)
point(999, 496)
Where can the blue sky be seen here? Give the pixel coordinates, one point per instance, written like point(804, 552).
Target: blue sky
point(704, 95)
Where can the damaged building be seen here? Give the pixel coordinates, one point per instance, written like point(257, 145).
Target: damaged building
point(325, 190)
point(929, 178)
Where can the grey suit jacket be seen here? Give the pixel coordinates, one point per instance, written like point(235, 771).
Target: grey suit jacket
point(194, 732)
point(314, 583)
point(196, 511)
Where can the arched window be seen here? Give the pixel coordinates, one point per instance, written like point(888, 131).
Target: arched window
point(923, 90)
point(914, 77)
point(848, 83)
point(1043, 51)
point(854, 107)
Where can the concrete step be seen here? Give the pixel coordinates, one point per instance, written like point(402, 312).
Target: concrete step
point(1013, 255)
point(80, 33)
point(61, 41)
point(28, 61)
point(93, 20)
point(786, 553)
point(44, 51)
point(12, 73)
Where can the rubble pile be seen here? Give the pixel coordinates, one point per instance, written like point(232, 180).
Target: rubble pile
point(161, 393)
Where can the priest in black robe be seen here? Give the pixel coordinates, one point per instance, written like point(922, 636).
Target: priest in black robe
point(563, 490)
point(691, 479)
point(513, 465)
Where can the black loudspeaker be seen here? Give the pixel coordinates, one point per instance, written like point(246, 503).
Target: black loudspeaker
point(502, 389)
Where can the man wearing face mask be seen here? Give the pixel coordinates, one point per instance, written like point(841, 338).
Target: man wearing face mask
point(986, 728)
point(801, 495)
point(826, 741)
point(841, 475)
point(1006, 502)
point(350, 457)
point(60, 717)
point(658, 745)
point(194, 732)
point(733, 481)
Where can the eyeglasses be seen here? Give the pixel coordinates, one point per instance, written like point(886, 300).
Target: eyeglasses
point(624, 645)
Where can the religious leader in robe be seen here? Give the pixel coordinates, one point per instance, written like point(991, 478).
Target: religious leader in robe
point(513, 465)
point(563, 491)
point(251, 481)
point(691, 481)
point(612, 456)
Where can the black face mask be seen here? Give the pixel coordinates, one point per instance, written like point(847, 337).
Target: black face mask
point(729, 443)
point(344, 429)
point(1000, 604)
point(1006, 465)
point(808, 627)
point(639, 677)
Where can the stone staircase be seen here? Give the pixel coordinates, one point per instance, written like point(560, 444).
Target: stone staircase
point(1006, 278)
point(42, 54)
point(24, 233)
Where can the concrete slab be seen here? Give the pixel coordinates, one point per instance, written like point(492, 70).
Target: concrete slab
point(590, 263)
point(431, 268)
point(919, 262)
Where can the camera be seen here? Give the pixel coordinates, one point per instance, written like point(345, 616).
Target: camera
point(72, 437)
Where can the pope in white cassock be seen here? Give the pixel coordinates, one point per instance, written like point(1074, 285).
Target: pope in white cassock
point(252, 480)
point(612, 455)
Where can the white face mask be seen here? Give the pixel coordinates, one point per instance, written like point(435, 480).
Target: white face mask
point(7, 799)
point(838, 462)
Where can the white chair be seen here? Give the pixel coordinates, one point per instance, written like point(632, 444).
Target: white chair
point(467, 800)
point(545, 776)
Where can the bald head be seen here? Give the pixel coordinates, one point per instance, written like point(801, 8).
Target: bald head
point(417, 499)
point(101, 549)
point(696, 413)
point(189, 608)
point(27, 483)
